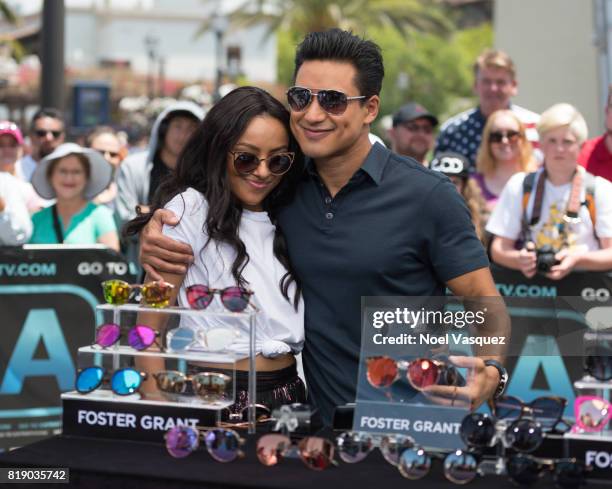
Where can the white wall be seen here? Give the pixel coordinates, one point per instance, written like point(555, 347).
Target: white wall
point(551, 42)
point(92, 35)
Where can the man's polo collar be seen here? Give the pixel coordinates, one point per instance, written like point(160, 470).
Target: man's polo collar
point(374, 164)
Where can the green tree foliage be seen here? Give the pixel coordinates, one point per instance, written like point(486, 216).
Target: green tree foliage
point(432, 70)
point(302, 16)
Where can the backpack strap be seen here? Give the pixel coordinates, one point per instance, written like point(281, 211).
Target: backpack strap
point(589, 196)
point(528, 184)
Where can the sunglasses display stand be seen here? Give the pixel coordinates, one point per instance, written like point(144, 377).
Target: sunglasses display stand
point(595, 447)
point(154, 406)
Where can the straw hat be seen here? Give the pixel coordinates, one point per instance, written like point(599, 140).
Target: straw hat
point(100, 171)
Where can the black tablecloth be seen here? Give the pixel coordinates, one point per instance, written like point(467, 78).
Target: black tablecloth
point(120, 464)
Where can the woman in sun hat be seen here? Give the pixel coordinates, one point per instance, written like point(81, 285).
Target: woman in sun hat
point(73, 176)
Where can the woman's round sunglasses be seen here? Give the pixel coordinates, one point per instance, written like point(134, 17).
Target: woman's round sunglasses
point(331, 101)
point(278, 164)
point(498, 136)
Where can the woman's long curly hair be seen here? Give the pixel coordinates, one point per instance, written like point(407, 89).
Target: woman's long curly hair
point(203, 166)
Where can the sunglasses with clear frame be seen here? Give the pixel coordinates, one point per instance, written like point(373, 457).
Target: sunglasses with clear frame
point(211, 387)
point(355, 446)
point(155, 294)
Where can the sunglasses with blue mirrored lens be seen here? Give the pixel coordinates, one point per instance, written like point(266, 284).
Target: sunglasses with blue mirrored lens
point(123, 382)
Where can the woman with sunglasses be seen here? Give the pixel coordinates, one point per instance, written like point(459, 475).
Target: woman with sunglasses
point(503, 152)
point(239, 166)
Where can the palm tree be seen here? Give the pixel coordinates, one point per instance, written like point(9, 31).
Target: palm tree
point(302, 16)
point(7, 13)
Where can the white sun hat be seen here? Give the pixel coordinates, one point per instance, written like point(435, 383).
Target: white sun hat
point(100, 171)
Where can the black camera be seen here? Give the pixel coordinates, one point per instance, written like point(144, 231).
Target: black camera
point(545, 259)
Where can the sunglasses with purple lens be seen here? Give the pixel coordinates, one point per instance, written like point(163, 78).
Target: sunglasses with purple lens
point(140, 337)
point(224, 445)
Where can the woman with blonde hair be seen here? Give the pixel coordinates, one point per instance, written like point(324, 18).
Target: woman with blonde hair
point(503, 152)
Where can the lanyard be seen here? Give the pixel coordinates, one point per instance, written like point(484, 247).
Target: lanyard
point(56, 225)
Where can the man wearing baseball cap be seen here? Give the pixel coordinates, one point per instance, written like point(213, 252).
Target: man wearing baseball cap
point(412, 133)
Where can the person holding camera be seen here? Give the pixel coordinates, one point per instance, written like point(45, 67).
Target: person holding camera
point(558, 218)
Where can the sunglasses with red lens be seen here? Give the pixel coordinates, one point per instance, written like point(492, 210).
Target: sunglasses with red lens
point(235, 299)
point(383, 371)
point(317, 453)
point(331, 101)
point(278, 164)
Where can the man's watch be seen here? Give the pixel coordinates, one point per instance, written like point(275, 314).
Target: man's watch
point(503, 377)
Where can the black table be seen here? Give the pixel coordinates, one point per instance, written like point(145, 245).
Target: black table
point(97, 463)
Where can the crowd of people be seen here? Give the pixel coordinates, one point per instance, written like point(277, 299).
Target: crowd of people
point(497, 153)
point(481, 150)
point(300, 206)
point(58, 192)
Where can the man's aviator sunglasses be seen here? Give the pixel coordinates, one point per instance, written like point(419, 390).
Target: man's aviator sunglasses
point(331, 101)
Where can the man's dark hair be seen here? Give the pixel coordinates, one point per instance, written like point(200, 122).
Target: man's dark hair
point(47, 112)
point(339, 45)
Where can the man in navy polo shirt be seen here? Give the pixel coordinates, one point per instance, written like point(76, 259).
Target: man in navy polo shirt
point(364, 221)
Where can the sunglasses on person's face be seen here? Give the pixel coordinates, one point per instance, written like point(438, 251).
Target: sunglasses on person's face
point(526, 470)
point(123, 382)
point(331, 101)
point(42, 133)
point(592, 413)
point(316, 453)
point(213, 339)
point(221, 443)
point(210, 386)
point(383, 371)
point(278, 164)
point(353, 446)
point(546, 410)
point(140, 337)
point(460, 467)
point(155, 294)
point(479, 430)
point(498, 136)
point(235, 299)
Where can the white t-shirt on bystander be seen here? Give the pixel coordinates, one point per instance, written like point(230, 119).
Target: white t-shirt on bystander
point(280, 328)
point(505, 221)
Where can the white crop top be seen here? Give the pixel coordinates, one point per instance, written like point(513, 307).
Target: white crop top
point(280, 328)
